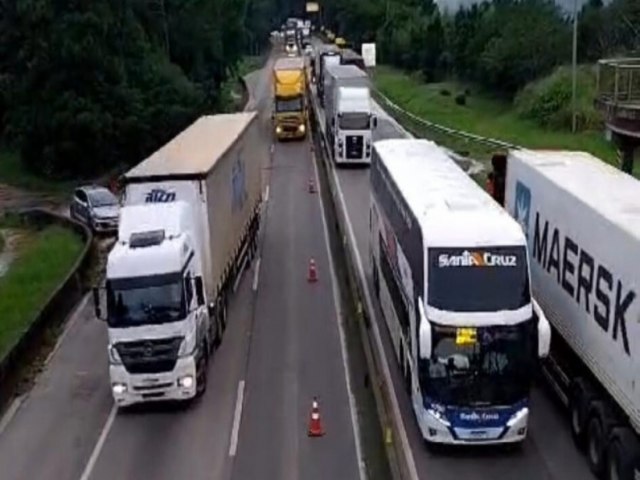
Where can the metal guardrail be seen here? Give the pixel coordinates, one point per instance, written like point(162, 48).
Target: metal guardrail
point(441, 128)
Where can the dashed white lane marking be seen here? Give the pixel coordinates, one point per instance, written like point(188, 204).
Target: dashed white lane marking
point(237, 416)
point(256, 275)
point(88, 469)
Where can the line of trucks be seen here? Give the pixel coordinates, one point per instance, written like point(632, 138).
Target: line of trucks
point(472, 297)
point(188, 228)
point(344, 110)
point(579, 224)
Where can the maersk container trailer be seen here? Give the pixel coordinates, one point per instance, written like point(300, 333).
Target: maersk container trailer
point(582, 220)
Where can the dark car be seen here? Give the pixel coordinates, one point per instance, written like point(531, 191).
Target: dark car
point(96, 207)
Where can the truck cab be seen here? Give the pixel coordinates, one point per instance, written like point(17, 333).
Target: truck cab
point(352, 126)
point(156, 307)
point(290, 103)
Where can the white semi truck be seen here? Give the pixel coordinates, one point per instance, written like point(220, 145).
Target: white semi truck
point(450, 269)
point(349, 117)
point(582, 221)
point(188, 227)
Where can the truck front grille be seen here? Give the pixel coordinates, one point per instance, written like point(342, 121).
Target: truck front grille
point(149, 356)
point(354, 147)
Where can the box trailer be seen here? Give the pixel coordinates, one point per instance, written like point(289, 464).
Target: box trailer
point(582, 221)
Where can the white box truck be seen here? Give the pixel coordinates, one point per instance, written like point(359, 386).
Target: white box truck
point(450, 269)
point(582, 221)
point(349, 117)
point(326, 59)
point(188, 227)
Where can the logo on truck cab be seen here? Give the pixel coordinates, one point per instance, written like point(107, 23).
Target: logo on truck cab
point(160, 195)
point(476, 259)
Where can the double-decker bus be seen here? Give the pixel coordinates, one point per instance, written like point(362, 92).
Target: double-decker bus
point(451, 272)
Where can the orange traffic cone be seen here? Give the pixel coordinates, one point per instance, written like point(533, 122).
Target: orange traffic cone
point(313, 273)
point(315, 426)
point(312, 186)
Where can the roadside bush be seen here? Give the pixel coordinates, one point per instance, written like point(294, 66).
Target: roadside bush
point(2, 242)
point(548, 101)
point(461, 99)
point(445, 92)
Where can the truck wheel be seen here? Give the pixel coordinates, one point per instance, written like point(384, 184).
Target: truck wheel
point(601, 422)
point(623, 455)
point(580, 397)
point(202, 371)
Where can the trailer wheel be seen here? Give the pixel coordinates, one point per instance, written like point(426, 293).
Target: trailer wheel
point(580, 397)
point(623, 455)
point(601, 422)
point(376, 281)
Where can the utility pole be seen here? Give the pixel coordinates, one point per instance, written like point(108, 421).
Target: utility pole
point(574, 72)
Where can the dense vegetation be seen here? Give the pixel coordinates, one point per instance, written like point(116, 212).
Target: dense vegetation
point(86, 85)
point(500, 45)
point(89, 84)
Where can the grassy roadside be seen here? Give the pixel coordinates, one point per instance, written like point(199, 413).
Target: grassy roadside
point(482, 115)
point(32, 278)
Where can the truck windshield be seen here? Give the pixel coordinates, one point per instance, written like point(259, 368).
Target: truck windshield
point(354, 121)
point(478, 279)
point(148, 300)
point(289, 105)
point(480, 366)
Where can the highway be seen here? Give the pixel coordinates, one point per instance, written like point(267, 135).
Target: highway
point(548, 452)
point(283, 346)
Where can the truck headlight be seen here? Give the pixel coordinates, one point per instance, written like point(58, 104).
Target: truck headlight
point(187, 346)
point(278, 129)
point(114, 356)
point(301, 128)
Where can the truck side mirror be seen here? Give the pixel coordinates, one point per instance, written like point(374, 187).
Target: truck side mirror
point(96, 303)
point(544, 331)
point(333, 122)
point(199, 290)
point(424, 332)
point(374, 121)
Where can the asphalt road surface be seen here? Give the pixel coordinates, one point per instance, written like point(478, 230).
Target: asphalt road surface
point(282, 347)
point(547, 454)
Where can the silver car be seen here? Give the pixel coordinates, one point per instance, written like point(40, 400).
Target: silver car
point(96, 207)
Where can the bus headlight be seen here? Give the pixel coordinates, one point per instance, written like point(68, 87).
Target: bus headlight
point(518, 416)
point(438, 416)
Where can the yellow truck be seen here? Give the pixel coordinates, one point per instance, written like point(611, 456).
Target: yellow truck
point(290, 99)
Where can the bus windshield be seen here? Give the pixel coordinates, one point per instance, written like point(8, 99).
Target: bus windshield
point(478, 279)
point(473, 367)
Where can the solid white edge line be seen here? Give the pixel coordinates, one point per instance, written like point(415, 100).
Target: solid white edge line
point(266, 194)
point(75, 315)
point(406, 448)
point(343, 342)
point(88, 469)
point(256, 275)
point(10, 413)
point(237, 416)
